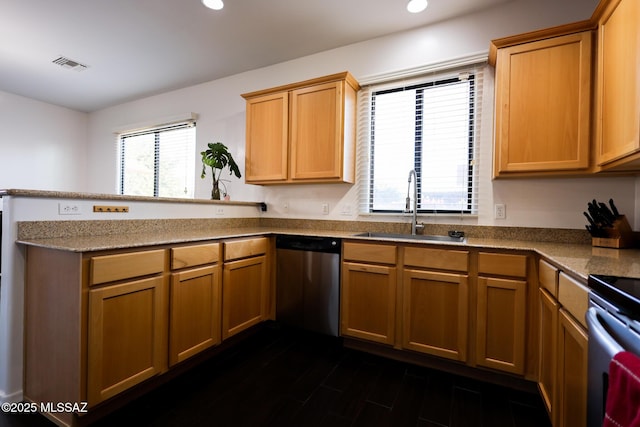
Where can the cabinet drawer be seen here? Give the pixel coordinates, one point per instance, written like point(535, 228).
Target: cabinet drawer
point(502, 264)
point(237, 249)
point(189, 256)
point(365, 252)
point(437, 258)
point(574, 297)
point(109, 268)
point(548, 277)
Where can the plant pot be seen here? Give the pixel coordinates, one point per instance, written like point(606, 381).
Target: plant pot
point(215, 191)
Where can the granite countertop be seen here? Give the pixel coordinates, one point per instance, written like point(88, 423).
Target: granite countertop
point(579, 260)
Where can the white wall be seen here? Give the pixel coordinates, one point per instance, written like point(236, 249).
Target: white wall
point(533, 202)
point(42, 146)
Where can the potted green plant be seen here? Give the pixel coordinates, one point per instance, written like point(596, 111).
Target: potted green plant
point(217, 157)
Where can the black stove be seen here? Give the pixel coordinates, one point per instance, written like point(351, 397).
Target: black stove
point(622, 292)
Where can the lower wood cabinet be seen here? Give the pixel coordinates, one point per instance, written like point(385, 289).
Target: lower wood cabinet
point(245, 285)
point(244, 295)
point(571, 406)
point(439, 301)
point(194, 316)
point(436, 307)
point(548, 349)
point(195, 300)
point(500, 332)
point(502, 312)
point(368, 302)
point(368, 292)
point(563, 349)
point(99, 323)
point(127, 336)
point(572, 354)
point(435, 302)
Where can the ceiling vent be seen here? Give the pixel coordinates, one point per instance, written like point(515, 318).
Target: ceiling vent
point(70, 64)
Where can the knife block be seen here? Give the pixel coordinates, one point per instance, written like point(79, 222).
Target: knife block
point(619, 236)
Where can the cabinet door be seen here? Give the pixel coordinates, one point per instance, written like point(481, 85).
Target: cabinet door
point(267, 138)
point(548, 344)
point(571, 406)
point(244, 294)
point(618, 86)
point(127, 336)
point(368, 302)
point(543, 105)
point(435, 313)
point(194, 315)
point(501, 324)
point(316, 132)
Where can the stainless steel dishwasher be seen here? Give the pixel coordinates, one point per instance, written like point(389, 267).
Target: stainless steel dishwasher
point(308, 283)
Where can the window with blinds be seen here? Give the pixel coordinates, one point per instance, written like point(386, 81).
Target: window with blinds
point(158, 162)
point(428, 125)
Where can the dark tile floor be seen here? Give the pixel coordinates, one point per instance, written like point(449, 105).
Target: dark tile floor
point(285, 378)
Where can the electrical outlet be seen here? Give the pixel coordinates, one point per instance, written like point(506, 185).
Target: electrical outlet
point(69, 209)
point(499, 211)
point(325, 209)
point(219, 210)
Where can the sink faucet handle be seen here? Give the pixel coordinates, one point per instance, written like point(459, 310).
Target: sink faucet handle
point(419, 228)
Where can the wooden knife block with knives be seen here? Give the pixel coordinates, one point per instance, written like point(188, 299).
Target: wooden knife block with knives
point(620, 235)
point(608, 228)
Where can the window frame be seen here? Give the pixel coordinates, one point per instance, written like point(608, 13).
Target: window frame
point(446, 78)
point(156, 131)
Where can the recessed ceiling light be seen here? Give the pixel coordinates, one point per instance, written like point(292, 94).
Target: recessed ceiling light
point(416, 6)
point(213, 4)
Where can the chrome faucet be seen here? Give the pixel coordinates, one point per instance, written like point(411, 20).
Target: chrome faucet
point(414, 220)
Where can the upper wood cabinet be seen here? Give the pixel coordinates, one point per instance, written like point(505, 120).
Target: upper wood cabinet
point(543, 103)
point(561, 108)
point(618, 88)
point(267, 149)
point(303, 132)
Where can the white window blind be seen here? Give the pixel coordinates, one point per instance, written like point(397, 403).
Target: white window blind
point(158, 162)
point(426, 123)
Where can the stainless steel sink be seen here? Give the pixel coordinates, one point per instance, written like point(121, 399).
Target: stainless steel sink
point(424, 237)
